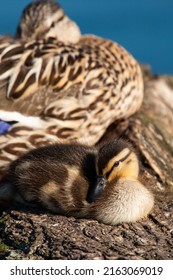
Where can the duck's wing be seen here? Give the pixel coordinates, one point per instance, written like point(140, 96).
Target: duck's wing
point(33, 74)
point(63, 83)
point(45, 77)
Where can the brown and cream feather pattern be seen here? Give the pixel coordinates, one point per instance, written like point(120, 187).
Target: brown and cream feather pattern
point(55, 89)
point(35, 74)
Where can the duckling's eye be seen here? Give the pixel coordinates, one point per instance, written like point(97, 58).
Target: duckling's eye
point(117, 163)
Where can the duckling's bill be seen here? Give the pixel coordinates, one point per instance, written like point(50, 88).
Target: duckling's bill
point(96, 190)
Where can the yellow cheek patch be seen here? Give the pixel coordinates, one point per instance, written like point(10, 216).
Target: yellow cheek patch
point(128, 168)
point(118, 157)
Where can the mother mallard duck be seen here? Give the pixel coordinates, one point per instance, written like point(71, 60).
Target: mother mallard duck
point(56, 83)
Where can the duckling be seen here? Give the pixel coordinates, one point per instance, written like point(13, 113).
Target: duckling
point(119, 197)
point(54, 88)
point(80, 181)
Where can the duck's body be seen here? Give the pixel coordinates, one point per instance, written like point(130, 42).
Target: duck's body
point(72, 92)
point(58, 88)
point(68, 179)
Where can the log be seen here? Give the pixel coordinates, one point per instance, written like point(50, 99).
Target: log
point(35, 234)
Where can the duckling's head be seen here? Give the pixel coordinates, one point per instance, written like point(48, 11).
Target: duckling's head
point(116, 160)
point(45, 18)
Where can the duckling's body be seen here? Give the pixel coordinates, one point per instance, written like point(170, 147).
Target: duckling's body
point(57, 177)
point(68, 179)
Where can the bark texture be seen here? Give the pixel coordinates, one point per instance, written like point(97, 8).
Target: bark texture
point(26, 234)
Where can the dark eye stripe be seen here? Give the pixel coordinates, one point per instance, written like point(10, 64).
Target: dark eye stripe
point(109, 172)
point(55, 22)
point(61, 18)
point(115, 165)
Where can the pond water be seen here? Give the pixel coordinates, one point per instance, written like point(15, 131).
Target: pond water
point(145, 28)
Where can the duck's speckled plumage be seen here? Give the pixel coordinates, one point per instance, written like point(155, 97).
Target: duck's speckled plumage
point(73, 91)
point(47, 77)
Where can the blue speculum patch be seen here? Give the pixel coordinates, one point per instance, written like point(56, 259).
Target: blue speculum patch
point(4, 126)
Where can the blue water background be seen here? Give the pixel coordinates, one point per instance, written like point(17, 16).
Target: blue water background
point(144, 27)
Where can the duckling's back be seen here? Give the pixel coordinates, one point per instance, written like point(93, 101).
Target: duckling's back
point(56, 176)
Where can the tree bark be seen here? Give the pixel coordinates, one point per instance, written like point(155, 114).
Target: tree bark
point(26, 234)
